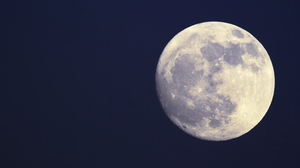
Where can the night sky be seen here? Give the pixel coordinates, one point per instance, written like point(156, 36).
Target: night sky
point(77, 85)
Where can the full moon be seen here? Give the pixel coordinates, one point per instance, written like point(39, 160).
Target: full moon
point(215, 81)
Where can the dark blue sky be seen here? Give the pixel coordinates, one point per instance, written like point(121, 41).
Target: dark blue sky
point(77, 84)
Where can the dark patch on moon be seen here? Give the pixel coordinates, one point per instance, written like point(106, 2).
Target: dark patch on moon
point(212, 51)
point(183, 113)
point(199, 73)
point(233, 55)
point(176, 106)
point(185, 77)
point(226, 105)
point(212, 84)
point(215, 68)
point(214, 123)
point(237, 33)
point(252, 49)
point(192, 38)
point(196, 114)
point(184, 74)
point(254, 68)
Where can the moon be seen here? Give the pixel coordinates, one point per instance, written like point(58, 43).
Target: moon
point(215, 81)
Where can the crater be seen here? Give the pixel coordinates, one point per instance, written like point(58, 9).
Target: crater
point(184, 127)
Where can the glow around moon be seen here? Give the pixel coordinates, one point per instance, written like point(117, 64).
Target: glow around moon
point(215, 81)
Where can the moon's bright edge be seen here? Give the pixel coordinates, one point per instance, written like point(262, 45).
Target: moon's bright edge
point(215, 81)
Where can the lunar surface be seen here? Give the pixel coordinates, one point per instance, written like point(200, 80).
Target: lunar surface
point(215, 81)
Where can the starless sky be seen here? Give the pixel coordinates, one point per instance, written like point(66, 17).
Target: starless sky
point(77, 84)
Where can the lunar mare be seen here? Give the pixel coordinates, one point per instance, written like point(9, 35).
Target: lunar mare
point(215, 81)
